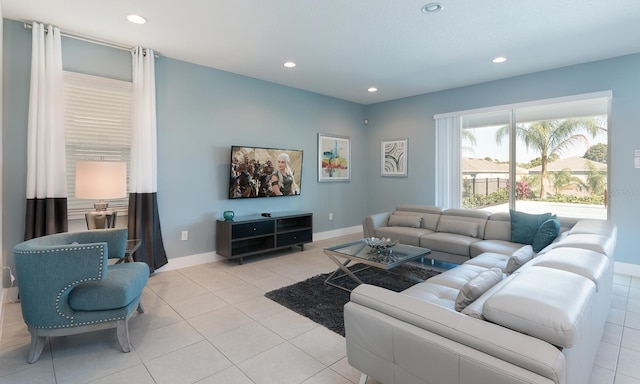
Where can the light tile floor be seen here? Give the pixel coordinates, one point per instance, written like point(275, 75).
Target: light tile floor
point(212, 324)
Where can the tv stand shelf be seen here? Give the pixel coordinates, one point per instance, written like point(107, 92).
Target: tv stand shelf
point(254, 234)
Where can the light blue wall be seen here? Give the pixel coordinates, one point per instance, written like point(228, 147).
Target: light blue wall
point(201, 113)
point(413, 118)
point(16, 62)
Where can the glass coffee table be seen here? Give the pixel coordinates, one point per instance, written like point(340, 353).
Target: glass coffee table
point(358, 251)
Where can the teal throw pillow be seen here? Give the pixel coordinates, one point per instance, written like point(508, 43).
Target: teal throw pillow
point(548, 231)
point(525, 225)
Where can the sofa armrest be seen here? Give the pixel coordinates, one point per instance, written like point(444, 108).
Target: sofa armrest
point(374, 221)
point(44, 300)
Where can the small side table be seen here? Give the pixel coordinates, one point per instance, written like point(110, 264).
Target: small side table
point(101, 219)
point(132, 247)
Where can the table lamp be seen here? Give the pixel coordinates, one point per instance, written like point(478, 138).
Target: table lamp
point(101, 180)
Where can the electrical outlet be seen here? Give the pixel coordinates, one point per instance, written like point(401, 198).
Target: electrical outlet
point(185, 235)
point(331, 216)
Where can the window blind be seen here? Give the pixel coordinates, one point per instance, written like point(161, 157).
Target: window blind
point(98, 127)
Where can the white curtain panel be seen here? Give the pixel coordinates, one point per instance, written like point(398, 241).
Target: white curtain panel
point(46, 173)
point(143, 217)
point(46, 168)
point(448, 189)
point(143, 178)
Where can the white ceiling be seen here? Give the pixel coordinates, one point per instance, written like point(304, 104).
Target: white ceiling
point(342, 47)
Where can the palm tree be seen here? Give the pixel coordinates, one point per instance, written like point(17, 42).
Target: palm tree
point(549, 137)
point(560, 179)
point(469, 137)
point(596, 180)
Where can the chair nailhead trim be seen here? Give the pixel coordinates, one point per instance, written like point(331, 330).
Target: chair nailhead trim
point(71, 285)
point(70, 317)
point(79, 324)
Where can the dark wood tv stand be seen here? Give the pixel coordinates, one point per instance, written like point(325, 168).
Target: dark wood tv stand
point(254, 234)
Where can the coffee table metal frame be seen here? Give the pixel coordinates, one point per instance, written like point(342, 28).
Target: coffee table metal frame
point(358, 251)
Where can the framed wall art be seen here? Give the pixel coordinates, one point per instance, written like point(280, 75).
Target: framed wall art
point(394, 157)
point(334, 158)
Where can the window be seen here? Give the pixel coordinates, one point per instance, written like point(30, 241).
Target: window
point(98, 127)
point(554, 151)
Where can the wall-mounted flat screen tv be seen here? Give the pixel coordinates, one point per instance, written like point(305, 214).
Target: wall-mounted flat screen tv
point(264, 172)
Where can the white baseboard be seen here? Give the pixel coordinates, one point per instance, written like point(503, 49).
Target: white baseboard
point(189, 261)
point(627, 269)
point(203, 258)
point(337, 232)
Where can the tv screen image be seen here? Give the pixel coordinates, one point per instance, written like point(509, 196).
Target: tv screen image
point(264, 172)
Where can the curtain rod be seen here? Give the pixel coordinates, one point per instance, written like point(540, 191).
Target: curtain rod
point(87, 39)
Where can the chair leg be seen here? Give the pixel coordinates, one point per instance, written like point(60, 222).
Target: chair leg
point(122, 327)
point(37, 345)
point(140, 307)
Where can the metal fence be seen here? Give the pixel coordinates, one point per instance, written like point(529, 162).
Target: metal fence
point(482, 186)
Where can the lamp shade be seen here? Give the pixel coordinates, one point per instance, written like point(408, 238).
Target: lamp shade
point(101, 180)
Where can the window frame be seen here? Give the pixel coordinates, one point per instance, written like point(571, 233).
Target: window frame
point(448, 149)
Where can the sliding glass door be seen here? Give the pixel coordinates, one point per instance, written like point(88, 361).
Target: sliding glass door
point(543, 157)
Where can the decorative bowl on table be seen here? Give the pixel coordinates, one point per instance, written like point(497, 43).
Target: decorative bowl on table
point(379, 244)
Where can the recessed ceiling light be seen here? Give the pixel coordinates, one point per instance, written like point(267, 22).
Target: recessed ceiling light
point(432, 8)
point(136, 19)
point(289, 64)
point(372, 89)
point(499, 59)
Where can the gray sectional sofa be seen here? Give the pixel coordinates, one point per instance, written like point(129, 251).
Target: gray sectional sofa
point(453, 235)
point(509, 315)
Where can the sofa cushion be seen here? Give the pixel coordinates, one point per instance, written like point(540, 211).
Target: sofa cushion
point(525, 225)
point(115, 291)
point(447, 242)
point(498, 227)
point(431, 209)
point(545, 234)
point(546, 303)
point(404, 235)
point(489, 260)
point(594, 227)
point(433, 293)
point(475, 287)
point(590, 264)
point(469, 216)
point(458, 276)
point(475, 308)
point(458, 226)
point(405, 221)
point(430, 221)
point(430, 214)
point(519, 258)
point(597, 243)
point(427, 220)
point(493, 246)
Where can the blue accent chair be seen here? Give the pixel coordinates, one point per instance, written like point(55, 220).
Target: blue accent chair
point(67, 285)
